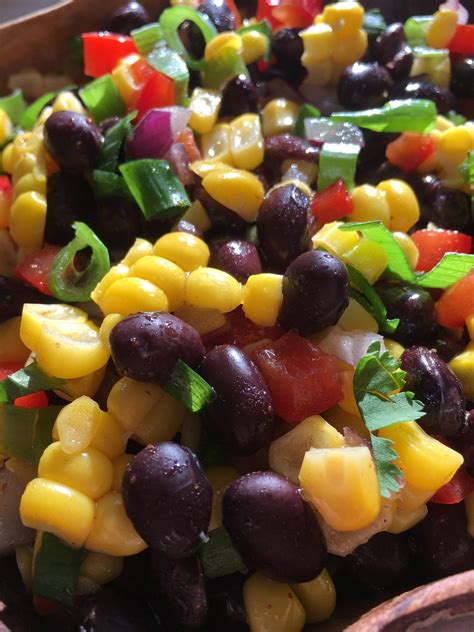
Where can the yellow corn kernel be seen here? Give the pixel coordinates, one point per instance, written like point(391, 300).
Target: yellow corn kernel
point(203, 320)
point(106, 327)
point(165, 274)
point(348, 402)
point(34, 316)
point(336, 241)
point(246, 141)
point(109, 436)
point(348, 49)
point(279, 117)
point(286, 453)
point(369, 204)
point(89, 472)
point(87, 385)
point(426, 463)
point(101, 568)
point(394, 348)
point(24, 561)
point(130, 295)
point(442, 28)
point(318, 43)
point(219, 476)
point(215, 145)
point(272, 606)
point(112, 532)
point(470, 326)
point(6, 127)
point(453, 145)
point(356, 317)
point(12, 348)
point(411, 498)
point(68, 102)
point(197, 215)
point(463, 366)
point(226, 39)
point(58, 509)
point(369, 258)
point(23, 470)
point(183, 249)
point(77, 423)
point(130, 401)
point(203, 167)
point(30, 182)
point(140, 248)
point(341, 419)
point(344, 17)
point(443, 123)
point(255, 45)
point(317, 596)
point(404, 208)
point(27, 219)
point(469, 506)
point(342, 485)
point(8, 158)
point(262, 297)
point(210, 288)
point(240, 191)
point(204, 106)
point(162, 422)
point(319, 72)
point(120, 271)
point(120, 465)
point(408, 246)
point(404, 520)
point(124, 78)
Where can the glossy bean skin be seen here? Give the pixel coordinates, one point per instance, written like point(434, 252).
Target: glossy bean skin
point(363, 86)
point(219, 14)
point(222, 219)
point(168, 498)
point(463, 442)
point(241, 415)
point(239, 96)
point(73, 140)
point(110, 610)
point(288, 146)
point(462, 77)
point(426, 189)
point(392, 51)
point(273, 529)
point(126, 18)
point(315, 292)
point(417, 89)
point(186, 227)
point(226, 604)
point(433, 383)
point(178, 591)
point(117, 222)
point(287, 48)
point(282, 225)
point(452, 209)
point(239, 258)
point(146, 346)
point(14, 294)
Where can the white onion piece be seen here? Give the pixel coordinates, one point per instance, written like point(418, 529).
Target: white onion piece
point(155, 133)
point(349, 346)
point(12, 531)
point(322, 130)
point(455, 5)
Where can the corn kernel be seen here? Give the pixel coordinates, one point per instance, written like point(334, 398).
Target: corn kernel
point(28, 219)
point(30, 182)
point(196, 214)
point(348, 49)
point(131, 295)
point(408, 246)
point(203, 320)
point(130, 401)
point(164, 274)
point(79, 386)
point(120, 271)
point(109, 436)
point(109, 322)
point(394, 348)
point(341, 419)
point(336, 241)
point(240, 191)
point(101, 568)
point(369, 204)
point(369, 258)
point(65, 512)
point(185, 250)
point(411, 498)
point(215, 145)
point(426, 463)
point(442, 28)
point(255, 45)
point(344, 17)
point(262, 297)
point(219, 476)
point(470, 326)
point(318, 42)
point(66, 101)
point(124, 78)
point(404, 208)
point(463, 366)
point(357, 317)
point(112, 532)
point(348, 402)
point(35, 315)
point(77, 423)
point(272, 606)
point(469, 505)
point(279, 117)
point(225, 39)
point(85, 586)
point(120, 465)
point(246, 141)
point(203, 167)
point(317, 596)
point(286, 453)
point(210, 288)
point(204, 106)
point(320, 72)
point(140, 248)
point(8, 158)
point(12, 348)
point(404, 520)
point(162, 422)
point(89, 472)
point(24, 561)
point(342, 484)
point(453, 145)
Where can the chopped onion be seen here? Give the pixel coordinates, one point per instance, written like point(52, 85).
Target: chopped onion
point(155, 133)
point(455, 5)
point(322, 130)
point(179, 162)
point(349, 346)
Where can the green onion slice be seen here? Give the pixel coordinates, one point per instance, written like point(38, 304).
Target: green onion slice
point(406, 115)
point(147, 37)
point(188, 387)
point(218, 555)
point(337, 161)
point(225, 65)
point(102, 98)
point(14, 105)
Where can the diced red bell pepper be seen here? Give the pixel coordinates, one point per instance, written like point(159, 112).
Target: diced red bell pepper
point(158, 92)
point(35, 267)
point(410, 150)
point(332, 203)
point(240, 331)
point(35, 400)
point(463, 40)
point(303, 380)
point(44, 606)
point(102, 51)
point(433, 244)
point(460, 486)
point(456, 303)
point(289, 13)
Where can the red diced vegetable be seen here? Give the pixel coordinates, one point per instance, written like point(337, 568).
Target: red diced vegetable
point(35, 400)
point(44, 606)
point(333, 203)
point(186, 137)
point(463, 40)
point(288, 13)
point(433, 244)
point(35, 267)
point(456, 303)
point(102, 51)
point(410, 150)
point(460, 486)
point(158, 92)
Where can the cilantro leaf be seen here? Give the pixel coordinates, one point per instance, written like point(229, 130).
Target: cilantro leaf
point(26, 381)
point(365, 295)
point(388, 474)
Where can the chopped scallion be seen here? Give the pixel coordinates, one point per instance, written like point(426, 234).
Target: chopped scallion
point(227, 63)
point(147, 37)
point(188, 387)
point(26, 381)
point(408, 115)
point(169, 63)
point(337, 161)
point(306, 111)
point(218, 555)
point(14, 105)
point(108, 184)
point(102, 98)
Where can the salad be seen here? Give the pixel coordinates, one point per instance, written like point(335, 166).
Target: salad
point(237, 316)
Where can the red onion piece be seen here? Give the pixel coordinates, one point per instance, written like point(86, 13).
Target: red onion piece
point(179, 162)
point(156, 131)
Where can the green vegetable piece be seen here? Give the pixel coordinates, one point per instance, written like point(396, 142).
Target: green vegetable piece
point(225, 65)
point(26, 381)
point(108, 184)
point(56, 570)
point(155, 188)
point(264, 28)
point(113, 140)
point(452, 267)
point(374, 23)
point(14, 105)
point(30, 115)
point(416, 28)
point(102, 98)
point(426, 52)
point(306, 111)
point(218, 555)
point(147, 37)
point(169, 63)
point(188, 387)
point(456, 118)
point(68, 283)
point(337, 161)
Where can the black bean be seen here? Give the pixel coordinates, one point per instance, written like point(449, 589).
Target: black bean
point(287, 48)
point(111, 610)
point(73, 140)
point(177, 588)
point(463, 442)
point(186, 227)
point(168, 499)
point(282, 224)
point(289, 146)
point(462, 77)
point(222, 219)
point(241, 415)
point(117, 222)
point(274, 530)
point(219, 13)
point(126, 18)
point(427, 189)
point(14, 294)
point(146, 346)
point(390, 42)
point(226, 604)
point(417, 88)
point(315, 292)
point(239, 258)
point(193, 40)
point(452, 209)
point(372, 154)
point(239, 96)
point(401, 64)
point(364, 86)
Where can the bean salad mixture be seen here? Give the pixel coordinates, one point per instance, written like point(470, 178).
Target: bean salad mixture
point(237, 316)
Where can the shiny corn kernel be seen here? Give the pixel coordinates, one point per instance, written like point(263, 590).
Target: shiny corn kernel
point(89, 472)
point(369, 258)
point(120, 271)
point(130, 295)
point(246, 141)
point(23, 167)
point(6, 127)
point(394, 348)
point(204, 106)
point(125, 79)
point(219, 476)
point(197, 216)
point(240, 191)
point(255, 45)
point(317, 596)
point(162, 422)
point(463, 367)
point(341, 483)
point(469, 505)
point(262, 297)
point(210, 288)
point(58, 509)
point(348, 49)
point(101, 568)
point(215, 145)
point(404, 520)
point(286, 453)
point(408, 246)
point(109, 436)
point(24, 562)
point(165, 274)
point(272, 606)
point(77, 423)
point(185, 250)
point(404, 207)
point(112, 532)
point(28, 219)
point(226, 39)
point(79, 386)
point(130, 401)
point(442, 28)
point(336, 241)
point(30, 182)
point(8, 157)
point(369, 204)
point(453, 145)
point(470, 326)
point(12, 348)
point(348, 402)
point(140, 248)
point(34, 316)
point(279, 117)
point(443, 123)
point(203, 167)
point(68, 102)
point(120, 465)
point(411, 499)
point(106, 327)
point(318, 43)
point(357, 317)
point(426, 463)
point(203, 320)
point(344, 17)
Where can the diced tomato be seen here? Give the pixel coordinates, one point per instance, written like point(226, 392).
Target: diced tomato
point(186, 137)
point(35, 400)
point(7, 368)
point(463, 40)
point(302, 379)
point(433, 244)
point(157, 92)
point(240, 331)
point(410, 150)
point(44, 606)
point(35, 267)
point(332, 203)
point(460, 486)
point(102, 51)
point(457, 303)
point(289, 13)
